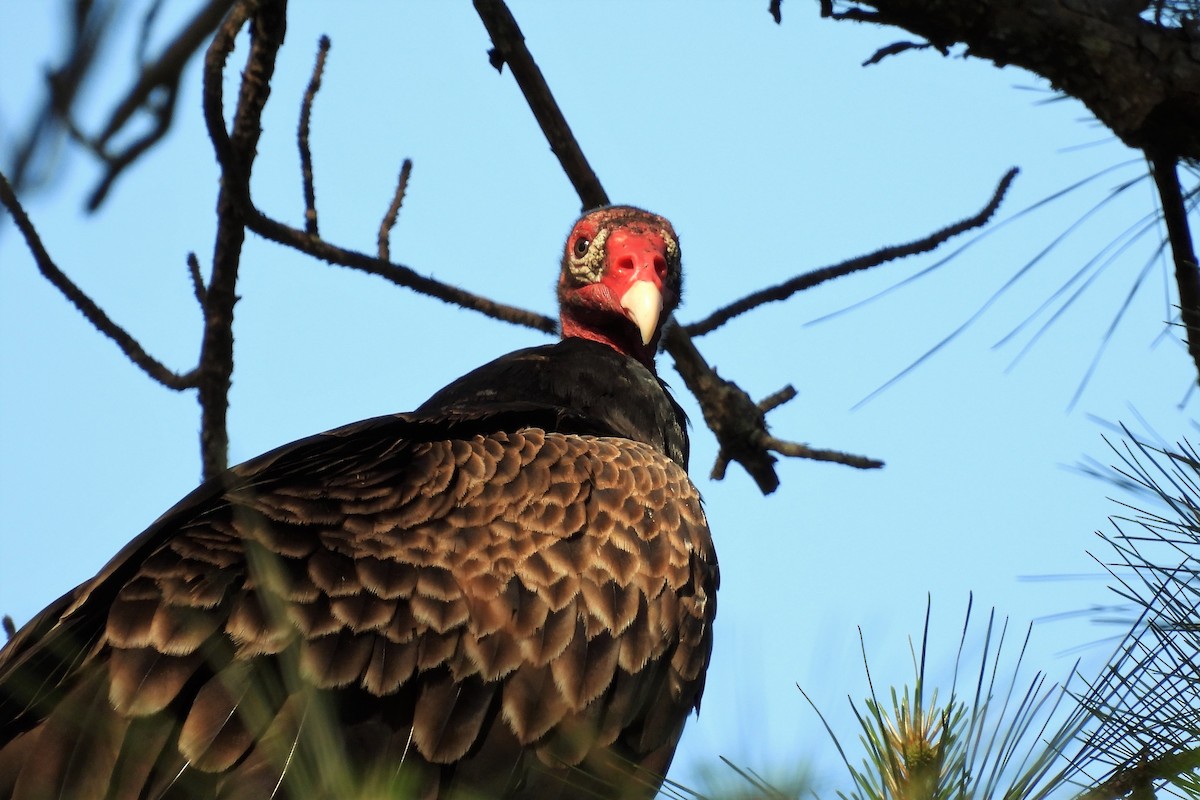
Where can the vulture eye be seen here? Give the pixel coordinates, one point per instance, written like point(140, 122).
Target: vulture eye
point(581, 246)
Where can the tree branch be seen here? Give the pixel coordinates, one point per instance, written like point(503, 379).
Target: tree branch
point(198, 288)
point(393, 212)
point(235, 152)
point(1187, 275)
point(85, 305)
point(306, 172)
point(510, 49)
point(164, 73)
point(1138, 78)
point(396, 273)
point(808, 280)
point(739, 423)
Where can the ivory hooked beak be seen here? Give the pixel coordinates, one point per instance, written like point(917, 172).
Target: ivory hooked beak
point(643, 303)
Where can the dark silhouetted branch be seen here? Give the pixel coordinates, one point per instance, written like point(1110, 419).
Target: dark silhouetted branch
point(739, 423)
point(236, 151)
point(86, 306)
point(165, 71)
point(789, 287)
point(793, 449)
point(895, 49)
point(306, 171)
point(400, 275)
point(1138, 78)
point(1187, 274)
point(393, 212)
point(90, 24)
point(156, 90)
point(235, 188)
point(509, 48)
point(164, 114)
point(198, 287)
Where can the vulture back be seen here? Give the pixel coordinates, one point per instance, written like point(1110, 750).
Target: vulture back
point(507, 593)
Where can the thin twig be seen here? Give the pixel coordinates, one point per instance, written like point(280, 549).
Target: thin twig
point(798, 450)
point(235, 189)
point(792, 449)
point(510, 49)
point(393, 212)
point(739, 423)
point(145, 30)
point(198, 287)
point(893, 49)
point(306, 171)
point(396, 273)
point(164, 114)
point(789, 287)
point(774, 401)
point(162, 74)
point(90, 23)
point(167, 69)
point(86, 306)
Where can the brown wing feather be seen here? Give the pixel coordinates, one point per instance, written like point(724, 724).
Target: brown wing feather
point(506, 605)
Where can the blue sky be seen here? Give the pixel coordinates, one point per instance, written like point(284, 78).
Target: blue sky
point(774, 153)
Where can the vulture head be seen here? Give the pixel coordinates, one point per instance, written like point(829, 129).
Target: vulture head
point(620, 280)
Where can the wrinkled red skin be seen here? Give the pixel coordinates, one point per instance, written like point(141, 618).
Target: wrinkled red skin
point(635, 251)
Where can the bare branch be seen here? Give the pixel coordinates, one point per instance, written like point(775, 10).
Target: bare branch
point(1139, 79)
point(789, 287)
point(164, 114)
point(774, 401)
point(393, 212)
point(798, 450)
point(896, 48)
point(156, 90)
point(1187, 273)
point(145, 30)
point(400, 275)
point(306, 173)
point(86, 306)
point(235, 151)
point(166, 70)
point(90, 24)
point(510, 49)
point(766, 441)
point(739, 423)
point(235, 189)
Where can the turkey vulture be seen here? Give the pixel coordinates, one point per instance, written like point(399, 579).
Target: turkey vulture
point(508, 592)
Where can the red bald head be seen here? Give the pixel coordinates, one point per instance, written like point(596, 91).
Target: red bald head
point(620, 280)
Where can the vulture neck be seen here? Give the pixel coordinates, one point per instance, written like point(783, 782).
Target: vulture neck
point(626, 342)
